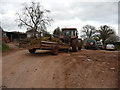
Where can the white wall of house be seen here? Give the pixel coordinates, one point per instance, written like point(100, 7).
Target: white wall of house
point(31, 34)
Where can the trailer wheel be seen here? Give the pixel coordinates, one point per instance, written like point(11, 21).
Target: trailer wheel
point(32, 50)
point(55, 50)
point(75, 45)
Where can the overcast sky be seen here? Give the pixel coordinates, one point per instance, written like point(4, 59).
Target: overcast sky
point(65, 13)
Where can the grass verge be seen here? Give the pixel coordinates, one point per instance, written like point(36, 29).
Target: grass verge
point(4, 47)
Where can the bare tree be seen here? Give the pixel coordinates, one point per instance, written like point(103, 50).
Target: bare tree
point(34, 16)
point(89, 31)
point(112, 38)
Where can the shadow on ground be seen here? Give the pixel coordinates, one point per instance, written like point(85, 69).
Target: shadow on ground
point(46, 53)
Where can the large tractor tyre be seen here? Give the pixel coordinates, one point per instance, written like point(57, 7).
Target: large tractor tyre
point(79, 44)
point(75, 45)
point(55, 50)
point(32, 50)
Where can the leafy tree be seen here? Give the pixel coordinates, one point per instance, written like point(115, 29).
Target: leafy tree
point(105, 32)
point(57, 32)
point(89, 31)
point(34, 17)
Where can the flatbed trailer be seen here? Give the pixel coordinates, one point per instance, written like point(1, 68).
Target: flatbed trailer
point(43, 45)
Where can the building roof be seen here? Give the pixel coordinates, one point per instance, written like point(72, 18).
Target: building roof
point(32, 31)
point(1, 28)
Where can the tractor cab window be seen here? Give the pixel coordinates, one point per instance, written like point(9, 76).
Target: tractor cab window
point(67, 33)
point(70, 33)
point(74, 33)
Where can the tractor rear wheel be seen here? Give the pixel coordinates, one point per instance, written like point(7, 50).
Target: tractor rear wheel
point(79, 44)
point(32, 50)
point(75, 45)
point(80, 48)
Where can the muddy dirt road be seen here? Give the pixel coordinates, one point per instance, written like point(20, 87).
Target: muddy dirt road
point(83, 69)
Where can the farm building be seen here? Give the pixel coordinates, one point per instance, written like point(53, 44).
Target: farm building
point(32, 32)
point(15, 36)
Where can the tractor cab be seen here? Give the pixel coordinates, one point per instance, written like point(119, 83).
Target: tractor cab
point(68, 34)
